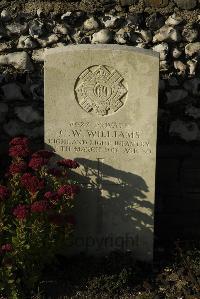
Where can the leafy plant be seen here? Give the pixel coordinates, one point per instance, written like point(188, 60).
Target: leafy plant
point(36, 218)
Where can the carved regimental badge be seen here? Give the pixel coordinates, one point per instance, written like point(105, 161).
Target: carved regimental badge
point(101, 90)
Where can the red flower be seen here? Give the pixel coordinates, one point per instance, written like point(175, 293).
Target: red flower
point(19, 151)
point(32, 183)
point(18, 167)
point(53, 197)
point(43, 154)
point(21, 212)
point(19, 141)
point(69, 190)
point(55, 172)
point(37, 162)
point(39, 206)
point(4, 192)
point(68, 163)
point(6, 247)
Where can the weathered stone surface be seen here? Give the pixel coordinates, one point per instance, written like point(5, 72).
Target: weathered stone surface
point(193, 86)
point(128, 2)
point(91, 24)
point(176, 52)
point(155, 21)
point(167, 33)
point(103, 36)
point(5, 15)
point(186, 4)
point(106, 99)
point(162, 49)
point(27, 114)
point(48, 40)
point(192, 64)
point(146, 35)
point(176, 95)
point(17, 28)
point(26, 42)
point(60, 29)
point(11, 92)
point(14, 128)
point(193, 111)
point(135, 38)
point(36, 132)
point(3, 112)
point(190, 34)
point(192, 48)
point(38, 55)
point(19, 60)
point(121, 36)
point(173, 20)
point(156, 3)
point(36, 28)
point(180, 67)
point(110, 21)
point(187, 131)
point(173, 82)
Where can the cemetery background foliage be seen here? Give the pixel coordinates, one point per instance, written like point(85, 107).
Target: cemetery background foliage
point(172, 28)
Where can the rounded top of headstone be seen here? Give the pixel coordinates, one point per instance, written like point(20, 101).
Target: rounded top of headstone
point(101, 47)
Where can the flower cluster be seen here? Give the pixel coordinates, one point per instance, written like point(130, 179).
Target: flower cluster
point(21, 212)
point(17, 167)
point(39, 206)
point(40, 159)
point(19, 141)
point(68, 163)
point(32, 183)
point(6, 247)
point(19, 147)
point(36, 163)
point(52, 197)
point(35, 210)
point(68, 190)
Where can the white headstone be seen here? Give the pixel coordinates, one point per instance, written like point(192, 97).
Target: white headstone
point(101, 110)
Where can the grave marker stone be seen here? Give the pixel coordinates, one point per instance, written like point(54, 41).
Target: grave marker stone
point(101, 109)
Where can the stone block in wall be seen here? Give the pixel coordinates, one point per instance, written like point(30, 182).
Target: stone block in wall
point(156, 3)
point(186, 4)
point(128, 2)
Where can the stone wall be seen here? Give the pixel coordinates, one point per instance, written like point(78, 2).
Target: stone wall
point(171, 28)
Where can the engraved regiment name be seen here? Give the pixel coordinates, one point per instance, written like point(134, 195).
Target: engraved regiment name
point(78, 138)
point(100, 90)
